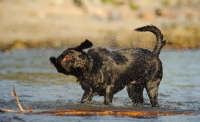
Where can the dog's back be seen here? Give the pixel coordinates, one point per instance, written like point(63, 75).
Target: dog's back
point(129, 63)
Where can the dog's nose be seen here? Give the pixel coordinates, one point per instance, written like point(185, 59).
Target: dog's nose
point(53, 60)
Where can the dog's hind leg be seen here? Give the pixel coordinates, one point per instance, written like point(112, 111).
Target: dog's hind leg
point(152, 91)
point(109, 95)
point(153, 83)
point(135, 92)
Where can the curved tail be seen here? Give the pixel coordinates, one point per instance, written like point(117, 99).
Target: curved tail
point(159, 43)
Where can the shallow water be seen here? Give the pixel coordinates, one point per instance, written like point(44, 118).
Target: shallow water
point(39, 85)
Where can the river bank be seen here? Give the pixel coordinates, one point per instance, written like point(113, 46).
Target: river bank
point(111, 40)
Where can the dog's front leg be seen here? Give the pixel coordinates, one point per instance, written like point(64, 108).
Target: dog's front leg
point(109, 95)
point(87, 96)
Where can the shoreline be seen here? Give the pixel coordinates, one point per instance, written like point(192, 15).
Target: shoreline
point(49, 44)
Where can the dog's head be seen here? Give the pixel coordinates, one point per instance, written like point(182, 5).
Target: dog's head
point(72, 60)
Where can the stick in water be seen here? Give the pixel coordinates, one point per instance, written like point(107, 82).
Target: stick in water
point(14, 94)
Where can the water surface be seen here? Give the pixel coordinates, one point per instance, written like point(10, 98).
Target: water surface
point(39, 85)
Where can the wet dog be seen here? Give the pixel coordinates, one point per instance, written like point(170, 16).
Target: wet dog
point(104, 72)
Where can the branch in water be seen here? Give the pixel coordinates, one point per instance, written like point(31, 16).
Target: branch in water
point(28, 108)
point(14, 94)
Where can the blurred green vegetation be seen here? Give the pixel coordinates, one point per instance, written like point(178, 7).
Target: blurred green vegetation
point(114, 2)
point(131, 4)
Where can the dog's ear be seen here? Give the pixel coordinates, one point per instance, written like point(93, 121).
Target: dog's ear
point(84, 45)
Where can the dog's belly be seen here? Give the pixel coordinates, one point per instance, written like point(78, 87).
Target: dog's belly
point(100, 90)
point(120, 84)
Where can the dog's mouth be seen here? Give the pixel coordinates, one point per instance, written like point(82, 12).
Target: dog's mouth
point(67, 58)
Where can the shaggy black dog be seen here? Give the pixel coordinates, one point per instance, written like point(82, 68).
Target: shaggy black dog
point(105, 72)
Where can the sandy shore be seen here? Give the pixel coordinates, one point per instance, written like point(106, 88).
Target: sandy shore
point(59, 24)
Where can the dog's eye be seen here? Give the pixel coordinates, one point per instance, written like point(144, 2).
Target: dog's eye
point(71, 52)
point(82, 56)
point(67, 58)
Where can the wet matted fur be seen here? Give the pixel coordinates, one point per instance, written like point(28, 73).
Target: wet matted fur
point(104, 72)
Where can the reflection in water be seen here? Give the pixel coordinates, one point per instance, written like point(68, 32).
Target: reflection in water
point(39, 85)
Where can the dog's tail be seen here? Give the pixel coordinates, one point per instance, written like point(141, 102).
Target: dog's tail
point(159, 43)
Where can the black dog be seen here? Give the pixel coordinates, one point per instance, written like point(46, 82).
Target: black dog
point(105, 72)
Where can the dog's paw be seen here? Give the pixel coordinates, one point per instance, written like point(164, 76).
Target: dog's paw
point(107, 102)
point(86, 101)
point(155, 105)
point(138, 104)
